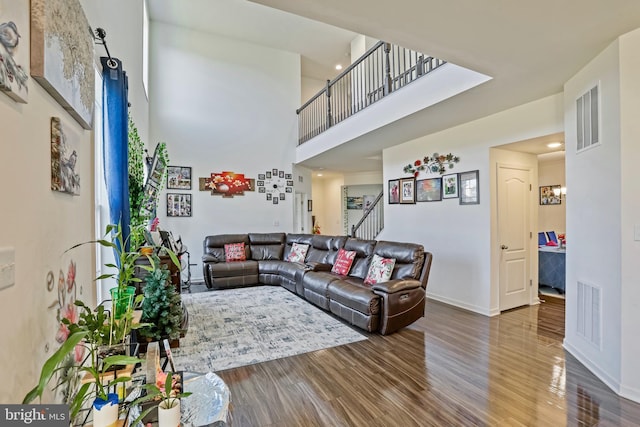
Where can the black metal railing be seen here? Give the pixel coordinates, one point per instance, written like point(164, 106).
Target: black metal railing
point(372, 221)
point(381, 70)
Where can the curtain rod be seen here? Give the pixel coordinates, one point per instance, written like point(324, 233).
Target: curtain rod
point(102, 34)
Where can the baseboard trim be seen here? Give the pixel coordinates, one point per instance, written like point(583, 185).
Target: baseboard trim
point(461, 304)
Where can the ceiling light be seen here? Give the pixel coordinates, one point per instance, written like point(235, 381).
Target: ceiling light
point(554, 145)
point(319, 174)
point(338, 67)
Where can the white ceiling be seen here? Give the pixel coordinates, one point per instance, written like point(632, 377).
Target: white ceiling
point(529, 48)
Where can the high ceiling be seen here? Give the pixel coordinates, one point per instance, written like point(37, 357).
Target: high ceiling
point(529, 48)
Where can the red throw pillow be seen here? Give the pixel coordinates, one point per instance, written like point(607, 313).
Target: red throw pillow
point(343, 262)
point(234, 252)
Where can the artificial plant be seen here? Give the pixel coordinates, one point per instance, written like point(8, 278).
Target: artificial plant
point(136, 165)
point(161, 308)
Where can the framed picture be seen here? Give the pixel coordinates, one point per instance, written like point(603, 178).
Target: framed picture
point(178, 178)
point(275, 200)
point(355, 202)
point(281, 174)
point(394, 191)
point(269, 196)
point(178, 204)
point(408, 190)
point(14, 66)
point(368, 201)
point(288, 190)
point(469, 188)
point(288, 176)
point(309, 205)
point(268, 175)
point(548, 195)
point(450, 186)
point(261, 190)
point(282, 196)
point(290, 183)
point(65, 176)
point(429, 190)
point(260, 183)
point(261, 177)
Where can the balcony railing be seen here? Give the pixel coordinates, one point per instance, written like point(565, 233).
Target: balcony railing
point(381, 70)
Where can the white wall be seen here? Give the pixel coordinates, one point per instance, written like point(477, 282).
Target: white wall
point(41, 224)
point(552, 217)
point(594, 215)
point(310, 87)
point(327, 204)
point(223, 105)
point(459, 236)
point(602, 211)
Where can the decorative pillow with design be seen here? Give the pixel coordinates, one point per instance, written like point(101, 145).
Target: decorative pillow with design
point(234, 252)
point(380, 270)
point(298, 252)
point(343, 262)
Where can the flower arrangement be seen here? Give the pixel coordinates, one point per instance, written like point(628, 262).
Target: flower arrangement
point(436, 163)
point(316, 229)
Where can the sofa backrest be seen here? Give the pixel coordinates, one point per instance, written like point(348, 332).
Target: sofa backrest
point(410, 258)
point(324, 249)
point(304, 239)
point(364, 253)
point(214, 246)
point(267, 245)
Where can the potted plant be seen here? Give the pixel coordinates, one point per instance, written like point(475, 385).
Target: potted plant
point(96, 387)
point(161, 307)
point(164, 397)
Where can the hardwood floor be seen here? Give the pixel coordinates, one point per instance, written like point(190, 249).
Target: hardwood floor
point(451, 368)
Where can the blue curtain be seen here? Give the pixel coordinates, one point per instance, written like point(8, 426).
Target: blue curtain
point(116, 141)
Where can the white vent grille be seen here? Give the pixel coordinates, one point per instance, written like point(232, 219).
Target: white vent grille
point(589, 312)
point(588, 122)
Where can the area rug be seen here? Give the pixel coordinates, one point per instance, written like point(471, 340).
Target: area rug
point(237, 327)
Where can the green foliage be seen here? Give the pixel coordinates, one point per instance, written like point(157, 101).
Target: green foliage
point(161, 308)
point(136, 158)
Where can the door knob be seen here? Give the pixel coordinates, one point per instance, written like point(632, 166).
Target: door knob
point(504, 247)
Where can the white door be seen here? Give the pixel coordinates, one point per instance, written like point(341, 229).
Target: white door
point(298, 215)
point(514, 238)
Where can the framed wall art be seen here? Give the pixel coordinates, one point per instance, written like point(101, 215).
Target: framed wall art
point(355, 202)
point(548, 196)
point(178, 204)
point(62, 56)
point(408, 190)
point(450, 186)
point(429, 190)
point(394, 191)
point(178, 178)
point(14, 49)
point(469, 188)
point(64, 158)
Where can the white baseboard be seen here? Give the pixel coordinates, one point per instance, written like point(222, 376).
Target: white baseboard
point(461, 304)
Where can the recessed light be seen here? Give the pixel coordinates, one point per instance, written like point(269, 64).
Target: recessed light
point(554, 145)
point(319, 174)
point(338, 67)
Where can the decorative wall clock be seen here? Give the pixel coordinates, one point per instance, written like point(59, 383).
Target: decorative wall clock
point(275, 184)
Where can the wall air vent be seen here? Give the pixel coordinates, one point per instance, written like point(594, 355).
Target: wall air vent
point(588, 118)
point(589, 314)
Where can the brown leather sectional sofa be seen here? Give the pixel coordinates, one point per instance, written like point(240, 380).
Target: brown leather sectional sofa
point(382, 307)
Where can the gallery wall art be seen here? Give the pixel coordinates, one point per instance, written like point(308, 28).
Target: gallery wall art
point(14, 49)
point(62, 56)
point(64, 158)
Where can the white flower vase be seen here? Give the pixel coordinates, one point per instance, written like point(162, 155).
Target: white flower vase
point(105, 413)
point(169, 417)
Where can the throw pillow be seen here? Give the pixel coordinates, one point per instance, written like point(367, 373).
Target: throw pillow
point(343, 262)
point(234, 252)
point(380, 270)
point(298, 252)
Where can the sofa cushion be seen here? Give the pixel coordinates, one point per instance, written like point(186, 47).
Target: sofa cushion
point(267, 246)
point(234, 252)
point(364, 252)
point(231, 269)
point(360, 298)
point(343, 262)
point(409, 258)
point(298, 252)
point(324, 249)
point(380, 270)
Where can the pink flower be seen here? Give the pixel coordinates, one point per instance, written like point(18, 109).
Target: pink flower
point(78, 353)
point(71, 276)
point(70, 312)
point(417, 163)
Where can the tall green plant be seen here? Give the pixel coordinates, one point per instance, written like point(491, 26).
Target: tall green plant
point(161, 308)
point(136, 159)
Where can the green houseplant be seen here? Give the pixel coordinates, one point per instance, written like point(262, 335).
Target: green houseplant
point(161, 308)
point(167, 399)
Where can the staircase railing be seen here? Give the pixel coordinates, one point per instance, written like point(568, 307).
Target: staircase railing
point(381, 70)
point(372, 221)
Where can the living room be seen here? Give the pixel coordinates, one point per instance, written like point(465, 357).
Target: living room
point(227, 105)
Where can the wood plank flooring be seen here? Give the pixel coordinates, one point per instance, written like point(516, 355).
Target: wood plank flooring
point(451, 368)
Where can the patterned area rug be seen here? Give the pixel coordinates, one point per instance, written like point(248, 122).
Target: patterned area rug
point(237, 327)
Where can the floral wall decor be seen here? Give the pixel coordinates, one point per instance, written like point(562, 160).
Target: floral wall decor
point(14, 49)
point(227, 184)
point(437, 163)
point(62, 56)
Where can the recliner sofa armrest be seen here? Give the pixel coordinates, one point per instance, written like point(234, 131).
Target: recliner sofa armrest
point(209, 258)
point(394, 286)
point(318, 266)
